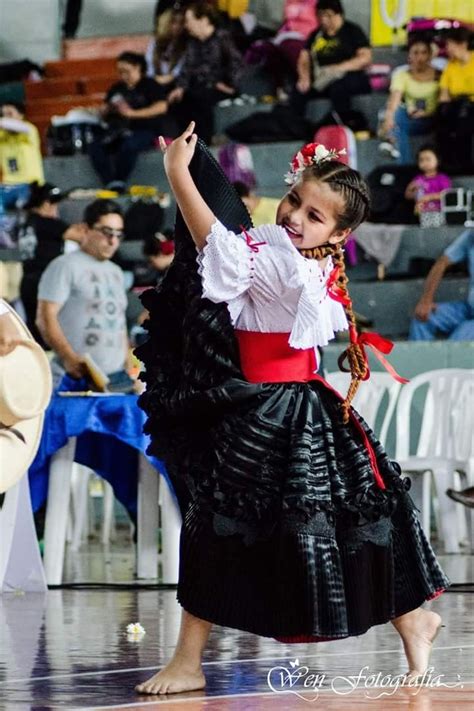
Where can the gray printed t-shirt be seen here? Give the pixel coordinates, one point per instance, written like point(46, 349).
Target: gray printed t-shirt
point(92, 316)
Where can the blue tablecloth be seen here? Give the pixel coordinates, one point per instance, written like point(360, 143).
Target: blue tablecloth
point(109, 433)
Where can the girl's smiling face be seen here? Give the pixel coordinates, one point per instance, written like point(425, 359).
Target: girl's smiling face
point(309, 214)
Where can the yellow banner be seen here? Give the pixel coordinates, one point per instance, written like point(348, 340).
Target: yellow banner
point(381, 33)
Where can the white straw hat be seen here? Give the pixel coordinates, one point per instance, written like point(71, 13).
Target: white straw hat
point(25, 390)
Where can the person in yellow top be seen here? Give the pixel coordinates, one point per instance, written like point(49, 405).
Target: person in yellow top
point(412, 103)
point(457, 79)
point(20, 154)
point(456, 111)
point(261, 209)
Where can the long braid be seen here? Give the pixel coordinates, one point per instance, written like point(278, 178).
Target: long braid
point(353, 189)
point(353, 353)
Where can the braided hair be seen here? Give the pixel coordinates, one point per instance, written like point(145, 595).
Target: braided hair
point(351, 186)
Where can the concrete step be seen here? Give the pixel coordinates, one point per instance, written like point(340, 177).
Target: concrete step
point(390, 304)
point(270, 160)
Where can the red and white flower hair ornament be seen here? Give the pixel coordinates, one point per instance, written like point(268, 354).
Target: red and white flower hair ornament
point(310, 154)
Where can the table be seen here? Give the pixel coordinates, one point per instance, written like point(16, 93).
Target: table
point(105, 434)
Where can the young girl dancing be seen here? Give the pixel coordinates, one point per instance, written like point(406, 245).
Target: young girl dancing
point(296, 525)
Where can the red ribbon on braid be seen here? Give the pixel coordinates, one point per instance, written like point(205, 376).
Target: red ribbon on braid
point(375, 341)
point(379, 345)
point(254, 246)
point(336, 292)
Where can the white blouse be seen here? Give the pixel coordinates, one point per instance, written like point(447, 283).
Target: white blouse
point(269, 286)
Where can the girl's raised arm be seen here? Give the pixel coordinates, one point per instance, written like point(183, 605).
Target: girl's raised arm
point(198, 216)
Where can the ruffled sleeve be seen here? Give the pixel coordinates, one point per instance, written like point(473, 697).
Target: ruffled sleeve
point(259, 265)
point(318, 316)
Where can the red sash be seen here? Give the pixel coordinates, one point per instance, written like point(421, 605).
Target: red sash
point(268, 358)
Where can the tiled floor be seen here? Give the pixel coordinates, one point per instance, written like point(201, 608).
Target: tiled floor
point(69, 649)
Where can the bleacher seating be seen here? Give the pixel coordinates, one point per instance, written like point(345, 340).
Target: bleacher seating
point(48, 88)
point(80, 81)
point(80, 67)
point(68, 84)
point(85, 47)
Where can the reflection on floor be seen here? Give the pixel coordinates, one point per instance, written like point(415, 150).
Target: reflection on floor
point(69, 649)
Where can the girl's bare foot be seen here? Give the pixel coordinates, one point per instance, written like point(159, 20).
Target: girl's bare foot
point(175, 678)
point(418, 630)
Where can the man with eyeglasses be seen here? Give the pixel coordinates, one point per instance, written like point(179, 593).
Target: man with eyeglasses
point(82, 299)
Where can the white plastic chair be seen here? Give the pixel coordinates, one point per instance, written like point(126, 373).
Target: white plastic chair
point(81, 524)
point(369, 398)
point(57, 512)
point(444, 446)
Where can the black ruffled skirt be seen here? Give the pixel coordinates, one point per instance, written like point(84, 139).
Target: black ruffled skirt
point(286, 532)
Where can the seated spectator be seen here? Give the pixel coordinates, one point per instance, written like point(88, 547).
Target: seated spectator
point(333, 62)
point(82, 300)
point(455, 125)
point(454, 319)
point(427, 187)
point(261, 209)
point(413, 100)
point(41, 239)
point(159, 251)
point(135, 110)
point(165, 53)
point(211, 70)
point(278, 55)
point(20, 153)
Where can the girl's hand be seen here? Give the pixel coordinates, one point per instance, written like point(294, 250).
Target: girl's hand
point(178, 154)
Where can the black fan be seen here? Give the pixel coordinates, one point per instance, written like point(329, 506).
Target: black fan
point(191, 345)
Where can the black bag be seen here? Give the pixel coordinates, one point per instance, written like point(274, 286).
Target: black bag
point(143, 220)
point(455, 135)
point(281, 124)
point(355, 120)
point(71, 138)
point(387, 185)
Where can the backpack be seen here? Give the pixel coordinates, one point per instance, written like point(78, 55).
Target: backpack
point(339, 137)
point(387, 185)
point(236, 161)
point(281, 124)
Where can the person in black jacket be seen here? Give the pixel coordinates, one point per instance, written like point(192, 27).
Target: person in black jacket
point(135, 110)
point(42, 238)
point(210, 72)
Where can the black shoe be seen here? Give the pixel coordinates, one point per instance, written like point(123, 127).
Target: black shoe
point(465, 497)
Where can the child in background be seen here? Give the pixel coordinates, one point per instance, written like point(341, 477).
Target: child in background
point(261, 209)
point(427, 187)
point(159, 251)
